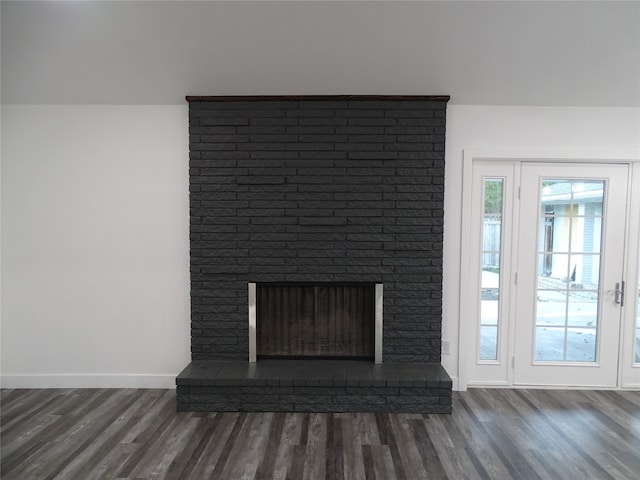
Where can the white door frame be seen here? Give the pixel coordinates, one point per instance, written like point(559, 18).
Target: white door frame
point(628, 376)
point(602, 370)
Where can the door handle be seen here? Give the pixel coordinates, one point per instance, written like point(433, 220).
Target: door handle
point(619, 299)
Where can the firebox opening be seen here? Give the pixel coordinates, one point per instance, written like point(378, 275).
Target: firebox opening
point(315, 320)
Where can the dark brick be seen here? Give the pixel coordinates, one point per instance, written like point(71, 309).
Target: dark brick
point(272, 204)
point(282, 138)
point(268, 155)
point(213, 130)
point(261, 195)
point(270, 171)
point(224, 155)
point(328, 155)
point(432, 122)
point(271, 130)
point(333, 221)
point(261, 180)
point(303, 196)
point(362, 147)
point(219, 138)
point(361, 130)
point(408, 113)
point(279, 121)
point(245, 105)
point(317, 179)
point(207, 121)
point(312, 113)
point(261, 147)
point(312, 130)
point(242, 113)
point(320, 171)
point(314, 120)
point(316, 191)
point(331, 138)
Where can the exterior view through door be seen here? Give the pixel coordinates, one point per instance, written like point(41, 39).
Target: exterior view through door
point(552, 262)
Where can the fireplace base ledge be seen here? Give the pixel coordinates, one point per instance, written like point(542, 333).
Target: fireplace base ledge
point(313, 386)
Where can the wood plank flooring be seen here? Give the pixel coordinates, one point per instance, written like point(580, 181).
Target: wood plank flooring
point(493, 434)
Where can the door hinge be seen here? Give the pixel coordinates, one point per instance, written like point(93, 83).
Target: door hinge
point(513, 362)
point(518, 193)
point(515, 278)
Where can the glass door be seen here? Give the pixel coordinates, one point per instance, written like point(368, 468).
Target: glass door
point(569, 282)
point(630, 360)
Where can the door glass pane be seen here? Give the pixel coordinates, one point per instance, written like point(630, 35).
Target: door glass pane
point(583, 309)
point(581, 344)
point(493, 193)
point(488, 342)
point(550, 343)
point(551, 308)
point(568, 273)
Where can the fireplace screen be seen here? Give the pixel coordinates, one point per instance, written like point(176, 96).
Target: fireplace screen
point(325, 320)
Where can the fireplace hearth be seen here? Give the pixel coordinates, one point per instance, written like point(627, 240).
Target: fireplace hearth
point(314, 201)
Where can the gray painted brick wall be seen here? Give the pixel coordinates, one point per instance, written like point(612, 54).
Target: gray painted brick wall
point(317, 191)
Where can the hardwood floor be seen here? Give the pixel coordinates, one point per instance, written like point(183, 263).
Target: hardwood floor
point(501, 434)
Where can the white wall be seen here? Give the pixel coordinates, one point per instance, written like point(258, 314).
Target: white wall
point(95, 281)
point(524, 132)
point(95, 252)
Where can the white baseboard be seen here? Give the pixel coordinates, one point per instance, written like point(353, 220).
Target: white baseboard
point(88, 381)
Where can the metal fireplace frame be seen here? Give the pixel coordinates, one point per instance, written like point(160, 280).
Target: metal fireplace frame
point(378, 322)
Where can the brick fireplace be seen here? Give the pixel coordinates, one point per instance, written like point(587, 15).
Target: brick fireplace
point(316, 191)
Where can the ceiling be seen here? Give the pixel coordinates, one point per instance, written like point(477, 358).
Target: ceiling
point(481, 53)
